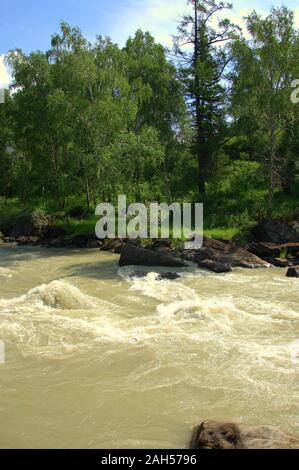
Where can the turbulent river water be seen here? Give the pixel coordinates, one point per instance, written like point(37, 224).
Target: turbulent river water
point(96, 359)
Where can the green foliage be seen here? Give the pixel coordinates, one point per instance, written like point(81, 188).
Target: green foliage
point(89, 121)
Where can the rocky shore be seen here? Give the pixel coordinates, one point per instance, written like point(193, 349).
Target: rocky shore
point(272, 243)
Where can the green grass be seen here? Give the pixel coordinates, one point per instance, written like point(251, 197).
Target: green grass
point(228, 217)
point(222, 233)
point(77, 227)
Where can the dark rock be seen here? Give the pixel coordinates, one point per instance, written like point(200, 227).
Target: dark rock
point(31, 225)
point(229, 253)
point(217, 435)
point(193, 256)
point(112, 244)
point(168, 277)
point(51, 234)
point(27, 240)
point(276, 231)
point(79, 241)
point(293, 272)
point(268, 250)
point(215, 266)
point(2, 238)
point(280, 263)
point(291, 249)
point(85, 241)
point(23, 227)
point(159, 244)
point(133, 255)
point(59, 242)
point(139, 274)
point(93, 243)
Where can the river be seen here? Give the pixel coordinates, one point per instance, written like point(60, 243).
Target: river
point(96, 359)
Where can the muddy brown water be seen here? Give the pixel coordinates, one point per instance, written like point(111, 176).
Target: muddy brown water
point(96, 359)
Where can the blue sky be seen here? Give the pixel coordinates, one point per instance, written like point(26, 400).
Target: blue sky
point(28, 24)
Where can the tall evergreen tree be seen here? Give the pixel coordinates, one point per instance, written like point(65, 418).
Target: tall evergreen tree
point(204, 55)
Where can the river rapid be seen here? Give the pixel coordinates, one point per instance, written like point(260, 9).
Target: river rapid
point(97, 359)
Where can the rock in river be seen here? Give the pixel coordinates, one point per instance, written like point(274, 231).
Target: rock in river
point(214, 266)
point(168, 277)
point(293, 272)
point(132, 255)
point(226, 435)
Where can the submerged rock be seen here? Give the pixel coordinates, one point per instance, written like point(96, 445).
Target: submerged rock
point(168, 277)
point(293, 272)
point(133, 255)
point(138, 274)
point(226, 435)
point(215, 266)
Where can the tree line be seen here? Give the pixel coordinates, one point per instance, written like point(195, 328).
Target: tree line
point(211, 119)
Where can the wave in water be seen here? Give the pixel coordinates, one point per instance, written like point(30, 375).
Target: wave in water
point(56, 318)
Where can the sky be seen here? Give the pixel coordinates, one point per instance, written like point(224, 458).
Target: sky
point(28, 24)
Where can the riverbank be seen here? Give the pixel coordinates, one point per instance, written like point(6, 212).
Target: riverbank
point(272, 242)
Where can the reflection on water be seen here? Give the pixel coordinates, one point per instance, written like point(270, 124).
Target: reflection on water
point(95, 358)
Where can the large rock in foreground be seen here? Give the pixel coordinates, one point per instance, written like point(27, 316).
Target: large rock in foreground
point(132, 255)
point(217, 435)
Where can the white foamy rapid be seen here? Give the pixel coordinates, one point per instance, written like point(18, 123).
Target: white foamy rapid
point(112, 356)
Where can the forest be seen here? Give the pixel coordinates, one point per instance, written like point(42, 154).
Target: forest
point(214, 120)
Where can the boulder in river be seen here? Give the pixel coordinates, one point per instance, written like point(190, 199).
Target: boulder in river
point(215, 266)
point(293, 272)
point(133, 255)
point(226, 435)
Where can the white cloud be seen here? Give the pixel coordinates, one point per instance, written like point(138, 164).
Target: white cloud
point(155, 16)
point(5, 79)
point(161, 17)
